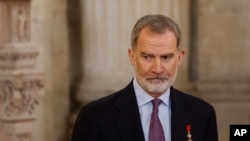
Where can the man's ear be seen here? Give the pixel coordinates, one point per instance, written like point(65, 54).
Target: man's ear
point(181, 55)
point(131, 56)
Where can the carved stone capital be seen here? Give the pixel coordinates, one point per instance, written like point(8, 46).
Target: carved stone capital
point(19, 95)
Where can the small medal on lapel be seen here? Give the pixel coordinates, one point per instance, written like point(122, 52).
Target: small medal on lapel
point(189, 136)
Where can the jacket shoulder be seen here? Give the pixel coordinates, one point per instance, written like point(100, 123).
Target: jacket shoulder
point(189, 100)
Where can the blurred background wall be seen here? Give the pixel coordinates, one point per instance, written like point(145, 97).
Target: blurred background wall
point(83, 55)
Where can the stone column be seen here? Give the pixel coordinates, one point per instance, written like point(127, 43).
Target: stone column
point(19, 80)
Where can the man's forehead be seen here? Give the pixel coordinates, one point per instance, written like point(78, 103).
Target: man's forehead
point(157, 38)
point(157, 46)
point(158, 53)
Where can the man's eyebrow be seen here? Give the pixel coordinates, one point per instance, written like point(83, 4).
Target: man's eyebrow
point(168, 54)
point(146, 53)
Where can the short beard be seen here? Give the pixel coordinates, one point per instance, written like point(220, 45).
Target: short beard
point(156, 84)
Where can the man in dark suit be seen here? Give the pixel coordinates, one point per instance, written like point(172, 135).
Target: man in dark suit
point(149, 108)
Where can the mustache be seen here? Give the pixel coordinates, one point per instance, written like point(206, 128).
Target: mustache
point(157, 78)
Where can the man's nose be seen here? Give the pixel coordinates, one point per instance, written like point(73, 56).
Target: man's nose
point(157, 66)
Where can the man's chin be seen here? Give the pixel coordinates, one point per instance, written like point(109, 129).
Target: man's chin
point(157, 82)
point(157, 90)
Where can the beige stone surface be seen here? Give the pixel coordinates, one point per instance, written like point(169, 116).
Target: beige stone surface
point(223, 68)
point(224, 40)
point(50, 34)
point(229, 113)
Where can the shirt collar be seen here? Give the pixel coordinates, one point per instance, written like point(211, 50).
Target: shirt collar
point(143, 97)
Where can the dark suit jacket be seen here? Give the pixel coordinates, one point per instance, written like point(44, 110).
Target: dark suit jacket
point(116, 118)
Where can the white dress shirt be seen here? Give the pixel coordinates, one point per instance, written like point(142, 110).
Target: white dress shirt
point(146, 107)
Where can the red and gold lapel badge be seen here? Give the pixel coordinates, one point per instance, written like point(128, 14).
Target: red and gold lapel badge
point(189, 136)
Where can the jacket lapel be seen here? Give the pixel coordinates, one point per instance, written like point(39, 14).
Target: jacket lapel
point(179, 119)
point(128, 121)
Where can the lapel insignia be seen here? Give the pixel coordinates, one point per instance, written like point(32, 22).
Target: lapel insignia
point(189, 136)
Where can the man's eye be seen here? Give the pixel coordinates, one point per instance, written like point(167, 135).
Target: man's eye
point(167, 57)
point(147, 57)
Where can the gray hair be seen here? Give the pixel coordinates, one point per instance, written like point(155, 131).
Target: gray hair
point(158, 24)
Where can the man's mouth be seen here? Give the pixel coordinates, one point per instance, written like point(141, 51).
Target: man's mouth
point(157, 79)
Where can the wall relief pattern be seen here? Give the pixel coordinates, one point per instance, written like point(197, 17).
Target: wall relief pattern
point(20, 82)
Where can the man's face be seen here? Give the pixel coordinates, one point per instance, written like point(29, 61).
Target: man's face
point(156, 60)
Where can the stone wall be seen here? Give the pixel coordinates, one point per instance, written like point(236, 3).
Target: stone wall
point(223, 76)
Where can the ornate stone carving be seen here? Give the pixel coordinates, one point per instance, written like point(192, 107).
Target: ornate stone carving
point(19, 81)
point(19, 93)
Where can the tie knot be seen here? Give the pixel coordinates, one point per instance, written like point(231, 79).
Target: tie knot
point(156, 102)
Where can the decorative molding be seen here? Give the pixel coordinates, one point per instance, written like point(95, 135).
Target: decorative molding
point(14, 57)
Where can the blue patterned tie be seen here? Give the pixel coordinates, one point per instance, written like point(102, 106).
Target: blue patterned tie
point(156, 131)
